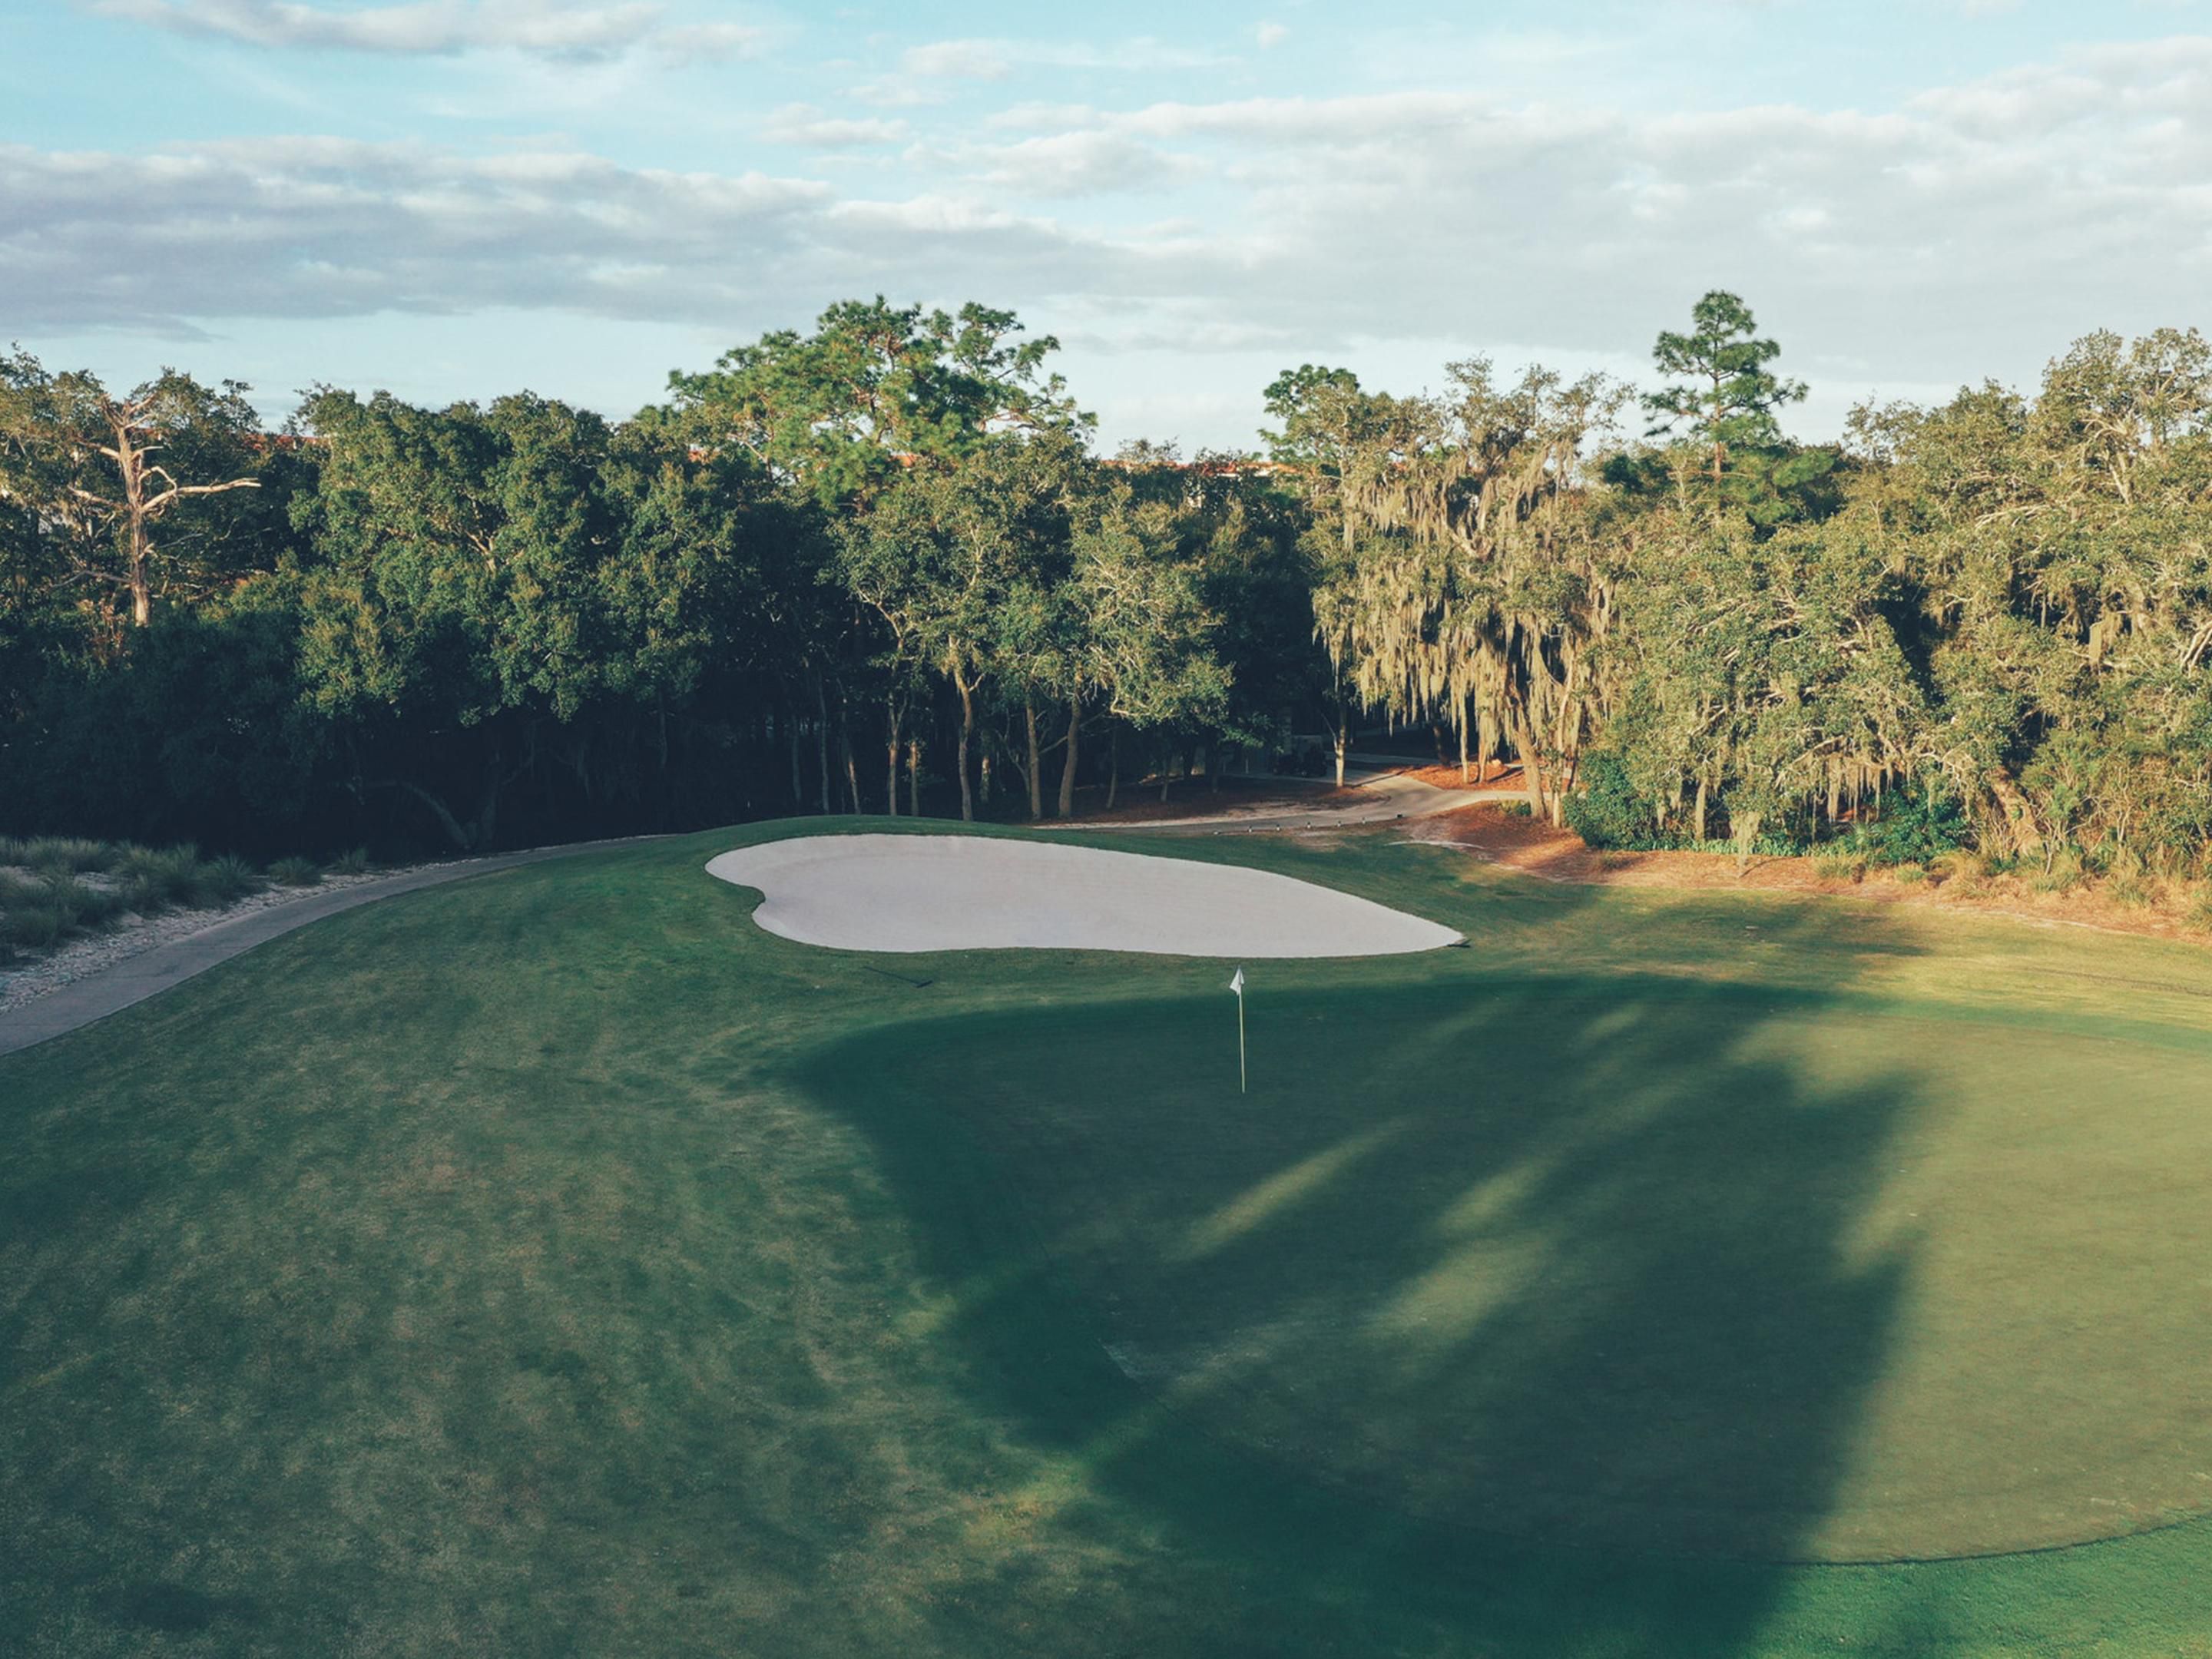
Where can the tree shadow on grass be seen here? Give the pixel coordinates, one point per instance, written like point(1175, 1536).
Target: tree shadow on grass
point(1535, 1310)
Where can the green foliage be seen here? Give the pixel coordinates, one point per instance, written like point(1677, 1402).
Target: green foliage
point(295, 872)
point(1915, 826)
point(353, 862)
point(1609, 811)
point(1724, 394)
point(879, 549)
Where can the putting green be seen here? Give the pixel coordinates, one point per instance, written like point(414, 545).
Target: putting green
point(1633, 1263)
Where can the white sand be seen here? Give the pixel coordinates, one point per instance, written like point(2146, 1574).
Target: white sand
point(974, 893)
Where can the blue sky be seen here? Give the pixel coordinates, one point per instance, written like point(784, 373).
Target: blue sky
point(454, 198)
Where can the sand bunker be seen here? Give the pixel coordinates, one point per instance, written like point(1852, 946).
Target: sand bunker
point(973, 893)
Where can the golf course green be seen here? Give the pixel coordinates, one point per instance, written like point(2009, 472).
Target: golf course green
point(557, 1263)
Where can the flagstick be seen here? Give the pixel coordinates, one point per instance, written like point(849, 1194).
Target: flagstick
point(1236, 984)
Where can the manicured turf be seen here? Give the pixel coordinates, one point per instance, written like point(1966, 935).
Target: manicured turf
point(557, 1264)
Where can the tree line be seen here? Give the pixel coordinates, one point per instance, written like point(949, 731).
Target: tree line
point(875, 567)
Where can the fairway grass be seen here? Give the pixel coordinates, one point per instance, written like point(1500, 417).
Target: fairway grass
point(557, 1263)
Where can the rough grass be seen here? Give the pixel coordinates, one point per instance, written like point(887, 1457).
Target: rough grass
point(554, 1263)
point(56, 903)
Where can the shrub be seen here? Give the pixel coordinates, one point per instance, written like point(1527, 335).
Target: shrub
point(295, 872)
point(1908, 875)
point(1913, 829)
point(1519, 809)
point(1607, 812)
point(354, 863)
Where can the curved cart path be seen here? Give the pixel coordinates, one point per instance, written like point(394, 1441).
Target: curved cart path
point(136, 978)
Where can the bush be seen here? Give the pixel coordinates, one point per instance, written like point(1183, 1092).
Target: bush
point(295, 872)
point(354, 863)
point(1913, 831)
point(1607, 812)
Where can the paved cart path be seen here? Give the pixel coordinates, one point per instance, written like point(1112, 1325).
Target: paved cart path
point(136, 978)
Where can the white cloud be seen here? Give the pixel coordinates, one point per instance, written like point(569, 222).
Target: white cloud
point(958, 60)
point(1064, 164)
point(807, 127)
point(551, 29)
point(1271, 35)
point(1974, 230)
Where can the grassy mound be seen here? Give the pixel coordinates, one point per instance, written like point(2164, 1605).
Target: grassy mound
point(556, 1263)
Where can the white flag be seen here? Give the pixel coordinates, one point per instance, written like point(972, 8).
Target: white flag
point(1237, 983)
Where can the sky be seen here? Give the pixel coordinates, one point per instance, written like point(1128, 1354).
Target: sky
point(458, 198)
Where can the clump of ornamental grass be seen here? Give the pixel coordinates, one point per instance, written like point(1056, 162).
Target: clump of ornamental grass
point(295, 872)
point(1908, 875)
point(70, 854)
point(2063, 873)
point(227, 879)
point(1840, 864)
point(2196, 908)
point(353, 863)
point(171, 878)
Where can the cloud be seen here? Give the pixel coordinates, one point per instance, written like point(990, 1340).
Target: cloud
point(1058, 165)
point(1270, 35)
point(550, 28)
point(1973, 229)
point(807, 127)
point(301, 228)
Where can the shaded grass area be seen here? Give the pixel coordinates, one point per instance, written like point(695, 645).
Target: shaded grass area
point(553, 1263)
point(1700, 1268)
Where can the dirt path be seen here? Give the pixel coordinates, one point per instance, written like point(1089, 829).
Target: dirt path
point(1532, 846)
point(1368, 799)
point(136, 978)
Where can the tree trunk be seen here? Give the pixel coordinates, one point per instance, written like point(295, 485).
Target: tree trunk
point(1698, 816)
point(890, 788)
point(967, 738)
point(2019, 817)
point(1037, 762)
point(914, 777)
point(791, 740)
point(1532, 766)
point(822, 740)
point(1113, 765)
point(852, 766)
point(1068, 766)
point(1462, 743)
point(138, 537)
